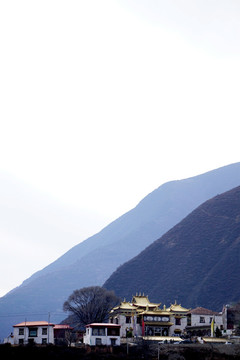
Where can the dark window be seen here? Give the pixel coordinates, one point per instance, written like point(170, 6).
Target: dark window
point(21, 331)
point(113, 342)
point(44, 341)
point(202, 319)
point(128, 319)
point(165, 332)
point(33, 332)
point(44, 331)
point(98, 341)
point(178, 321)
point(98, 331)
point(158, 331)
point(113, 331)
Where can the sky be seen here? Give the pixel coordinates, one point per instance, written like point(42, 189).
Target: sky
point(104, 101)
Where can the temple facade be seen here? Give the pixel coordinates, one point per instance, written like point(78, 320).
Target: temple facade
point(140, 317)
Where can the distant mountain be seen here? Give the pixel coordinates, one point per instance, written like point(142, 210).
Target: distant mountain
point(91, 262)
point(197, 262)
point(34, 223)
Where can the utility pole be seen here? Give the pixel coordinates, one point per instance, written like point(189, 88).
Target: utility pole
point(25, 332)
point(48, 328)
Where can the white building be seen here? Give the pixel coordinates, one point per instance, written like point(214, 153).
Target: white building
point(200, 320)
point(38, 332)
point(102, 334)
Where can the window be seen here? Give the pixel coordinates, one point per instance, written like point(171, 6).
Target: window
point(33, 332)
point(21, 331)
point(98, 341)
point(44, 331)
point(165, 332)
point(158, 331)
point(44, 341)
point(202, 319)
point(210, 320)
point(178, 321)
point(128, 319)
point(113, 331)
point(98, 331)
point(113, 342)
point(21, 342)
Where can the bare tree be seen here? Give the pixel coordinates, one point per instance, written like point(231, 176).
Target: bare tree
point(91, 304)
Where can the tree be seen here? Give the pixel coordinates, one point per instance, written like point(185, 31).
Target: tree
point(91, 304)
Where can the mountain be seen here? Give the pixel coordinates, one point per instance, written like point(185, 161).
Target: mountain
point(32, 222)
point(197, 262)
point(92, 261)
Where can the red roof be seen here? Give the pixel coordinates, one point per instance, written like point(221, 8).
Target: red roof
point(62, 327)
point(33, 323)
point(202, 311)
point(109, 325)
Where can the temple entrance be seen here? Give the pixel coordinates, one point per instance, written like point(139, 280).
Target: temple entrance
point(156, 331)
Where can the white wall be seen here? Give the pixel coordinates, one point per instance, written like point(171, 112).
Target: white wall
point(181, 327)
point(195, 320)
point(37, 339)
point(90, 339)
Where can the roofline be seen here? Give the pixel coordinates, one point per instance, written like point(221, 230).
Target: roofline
point(33, 323)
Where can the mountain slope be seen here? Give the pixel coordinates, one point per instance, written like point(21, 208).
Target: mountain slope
point(92, 261)
point(197, 262)
point(32, 222)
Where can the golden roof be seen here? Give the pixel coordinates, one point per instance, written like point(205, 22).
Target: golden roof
point(155, 312)
point(141, 305)
point(124, 305)
point(143, 301)
point(178, 308)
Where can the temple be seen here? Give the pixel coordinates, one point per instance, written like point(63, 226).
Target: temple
point(140, 317)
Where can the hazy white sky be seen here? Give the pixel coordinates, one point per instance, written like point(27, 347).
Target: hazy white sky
point(103, 101)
